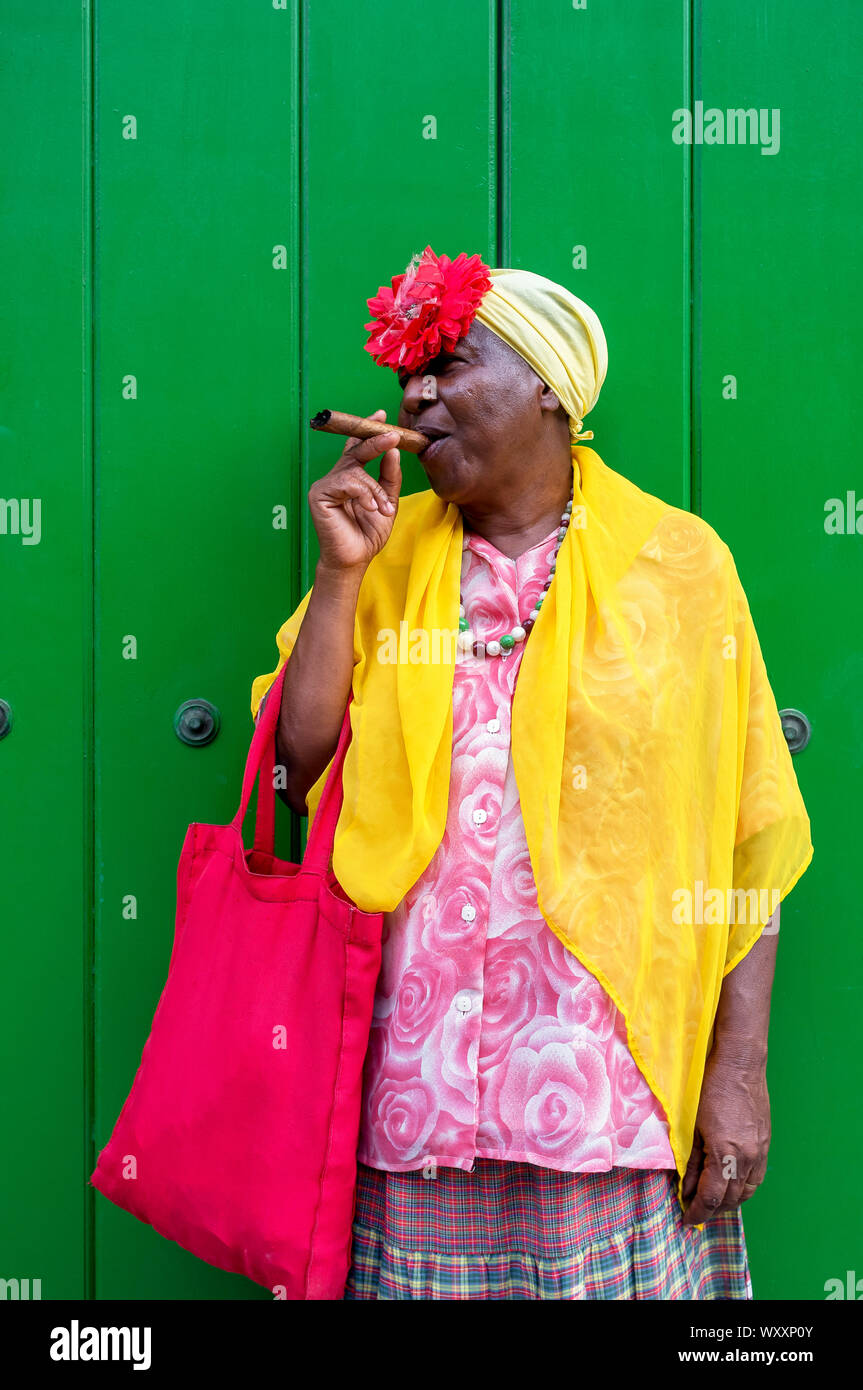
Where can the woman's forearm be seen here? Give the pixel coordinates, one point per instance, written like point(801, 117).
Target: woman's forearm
point(317, 682)
point(743, 1015)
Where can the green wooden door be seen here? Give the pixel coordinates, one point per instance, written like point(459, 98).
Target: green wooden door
point(193, 252)
point(46, 637)
point(778, 304)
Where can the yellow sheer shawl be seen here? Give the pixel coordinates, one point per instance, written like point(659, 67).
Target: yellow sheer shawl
point(653, 773)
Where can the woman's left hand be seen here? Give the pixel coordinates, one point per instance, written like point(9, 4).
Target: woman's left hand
point(732, 1137)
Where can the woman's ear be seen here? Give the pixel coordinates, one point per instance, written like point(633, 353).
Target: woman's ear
point(549, 400)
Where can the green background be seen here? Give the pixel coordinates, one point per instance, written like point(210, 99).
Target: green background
point(280, 172)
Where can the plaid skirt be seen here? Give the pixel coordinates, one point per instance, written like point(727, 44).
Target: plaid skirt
point(518, 1231)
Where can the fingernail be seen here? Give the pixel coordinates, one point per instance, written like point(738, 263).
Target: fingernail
point(387, 505)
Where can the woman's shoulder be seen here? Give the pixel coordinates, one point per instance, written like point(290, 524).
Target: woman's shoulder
point(657, 530)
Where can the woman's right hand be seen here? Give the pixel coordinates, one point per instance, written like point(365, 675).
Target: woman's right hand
point(352, 513)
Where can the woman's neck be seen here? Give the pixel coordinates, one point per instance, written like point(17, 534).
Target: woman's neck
point(518, 527)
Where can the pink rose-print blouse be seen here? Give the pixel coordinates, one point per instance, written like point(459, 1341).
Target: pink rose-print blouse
point(489, 1039)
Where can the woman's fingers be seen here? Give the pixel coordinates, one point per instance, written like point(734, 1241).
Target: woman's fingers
point(364, 450)
point(709, 1194)
point(693, 1168)
point(739, 1181)
point(355, 484)
point(390, 471)
point(367, 449)
point(359, 452)
point(391, 474)
point(376, 494)
point(353, 439)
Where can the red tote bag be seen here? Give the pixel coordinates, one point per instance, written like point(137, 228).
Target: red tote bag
point(238, 1138)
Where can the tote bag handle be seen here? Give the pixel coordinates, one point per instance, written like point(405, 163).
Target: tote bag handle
point(260, 763)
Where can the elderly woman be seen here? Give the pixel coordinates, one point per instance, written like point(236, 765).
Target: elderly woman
point(569, 791)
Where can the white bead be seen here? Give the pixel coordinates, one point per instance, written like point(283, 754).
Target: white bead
point(564, 520)
point(464, 641)
point(493, 648)
point(461, 610)
point(534, 613)
point(518, 634)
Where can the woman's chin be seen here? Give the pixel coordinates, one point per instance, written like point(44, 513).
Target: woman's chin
point(445, 475)
point(444, 487)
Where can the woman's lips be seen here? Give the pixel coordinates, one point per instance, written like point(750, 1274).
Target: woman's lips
point(432, 450)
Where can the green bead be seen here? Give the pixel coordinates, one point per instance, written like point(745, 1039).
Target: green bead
point(538, 603)
point(463, 624)
point(507, 642)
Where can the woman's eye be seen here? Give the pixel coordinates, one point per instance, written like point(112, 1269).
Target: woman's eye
point(403, 381)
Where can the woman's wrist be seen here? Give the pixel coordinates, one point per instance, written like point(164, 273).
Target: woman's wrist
point(338, 580)
point(746, 1052)
point(742, 1021)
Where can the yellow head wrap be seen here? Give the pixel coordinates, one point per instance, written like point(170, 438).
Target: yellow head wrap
point(555, 332)
point(652, 769)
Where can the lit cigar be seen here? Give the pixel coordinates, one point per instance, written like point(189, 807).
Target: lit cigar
point(337, 422)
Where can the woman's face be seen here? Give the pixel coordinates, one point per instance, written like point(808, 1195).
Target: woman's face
point(493, 409)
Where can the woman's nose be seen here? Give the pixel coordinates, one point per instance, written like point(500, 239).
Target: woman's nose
point(418, 389)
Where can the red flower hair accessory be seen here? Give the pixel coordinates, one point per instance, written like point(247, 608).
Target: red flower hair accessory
point(428, 309)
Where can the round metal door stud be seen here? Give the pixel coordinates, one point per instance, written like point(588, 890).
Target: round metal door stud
point(196, 722)
point(796, 728)
point(5, 719)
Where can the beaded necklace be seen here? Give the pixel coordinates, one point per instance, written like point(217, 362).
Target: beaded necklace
point(502, 646)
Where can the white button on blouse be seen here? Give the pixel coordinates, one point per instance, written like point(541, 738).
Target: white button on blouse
point(463, 1003)
point(480, 817)
point(493, 726)
point(468, 912)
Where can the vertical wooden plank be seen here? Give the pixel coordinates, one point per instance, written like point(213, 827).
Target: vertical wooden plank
point(197, 265)
point(595, 176)
point(399, 153)
point(782, 306)
point(45, 570)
